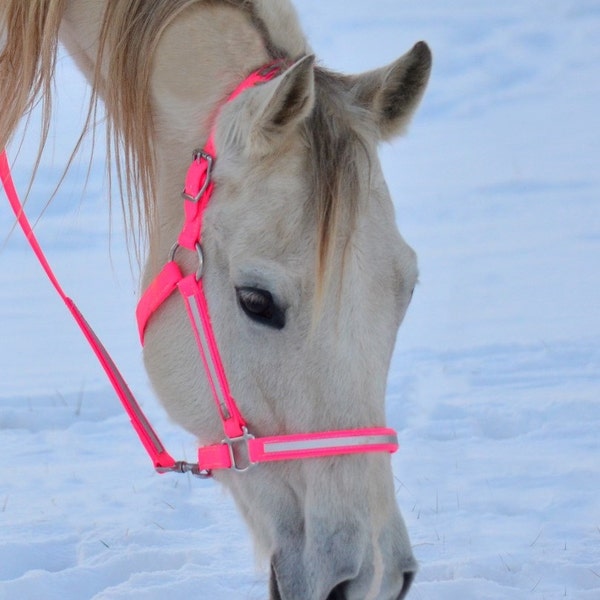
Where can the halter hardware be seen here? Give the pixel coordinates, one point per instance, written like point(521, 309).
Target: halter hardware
point(199, 254)
point(239, 451)
point(198, 156)
point(182, 466)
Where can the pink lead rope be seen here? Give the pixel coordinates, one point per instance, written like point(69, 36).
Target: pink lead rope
point(239, 450)
point(160, 457)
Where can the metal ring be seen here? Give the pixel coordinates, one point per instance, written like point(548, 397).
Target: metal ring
point(173, 251)
point(199, 254)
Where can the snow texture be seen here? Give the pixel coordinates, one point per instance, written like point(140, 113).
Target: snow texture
point(494, 386)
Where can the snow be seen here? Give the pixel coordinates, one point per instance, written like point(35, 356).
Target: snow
point(494, 385)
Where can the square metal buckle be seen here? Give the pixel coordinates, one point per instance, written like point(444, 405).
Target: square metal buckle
point(199, 155)
point(239, 451)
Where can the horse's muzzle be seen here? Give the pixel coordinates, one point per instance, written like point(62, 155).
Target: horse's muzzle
point(347, 590)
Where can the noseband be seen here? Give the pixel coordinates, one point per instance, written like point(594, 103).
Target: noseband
point(239, 449)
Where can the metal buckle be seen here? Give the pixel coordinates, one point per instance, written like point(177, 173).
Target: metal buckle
point(198, 155)
point(185, 467)
point(199, 253)
point(239, 451)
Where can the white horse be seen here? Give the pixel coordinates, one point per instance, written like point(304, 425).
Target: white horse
point(306, 275)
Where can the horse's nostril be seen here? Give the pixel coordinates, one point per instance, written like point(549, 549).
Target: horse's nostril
point(338, 592)
point(409, 577)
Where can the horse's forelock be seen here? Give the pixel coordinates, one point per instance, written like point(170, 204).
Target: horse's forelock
point(336, 132)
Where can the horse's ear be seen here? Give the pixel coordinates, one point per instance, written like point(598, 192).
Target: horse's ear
point(279, 105)
point(393, 93)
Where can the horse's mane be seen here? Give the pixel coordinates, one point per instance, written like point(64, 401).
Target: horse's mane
point(129, 34)
point(29, 38)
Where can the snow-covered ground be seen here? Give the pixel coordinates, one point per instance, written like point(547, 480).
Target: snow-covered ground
point(495, 384)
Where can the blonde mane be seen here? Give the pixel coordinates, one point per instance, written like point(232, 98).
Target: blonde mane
point(29, 44)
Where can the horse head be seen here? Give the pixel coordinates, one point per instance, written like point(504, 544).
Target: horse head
point(306, 276)
point(307, 279)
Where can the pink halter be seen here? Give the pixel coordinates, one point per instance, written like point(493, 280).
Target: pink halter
point(239, 449)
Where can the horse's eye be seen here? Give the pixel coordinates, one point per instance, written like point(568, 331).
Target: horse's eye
point(260, 306)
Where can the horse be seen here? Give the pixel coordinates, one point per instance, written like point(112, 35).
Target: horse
point(305, 272)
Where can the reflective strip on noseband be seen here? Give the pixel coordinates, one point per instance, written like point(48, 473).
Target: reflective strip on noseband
point(357, 441)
